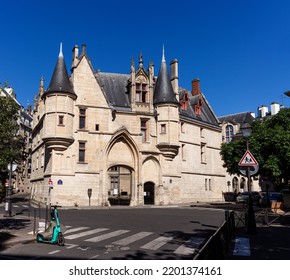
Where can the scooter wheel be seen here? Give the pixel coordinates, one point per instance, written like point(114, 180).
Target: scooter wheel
point(39, 237)
point(60, 240)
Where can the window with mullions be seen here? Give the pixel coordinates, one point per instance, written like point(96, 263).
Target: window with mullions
point(141, 92)
point(82, 119)
point(229, 133)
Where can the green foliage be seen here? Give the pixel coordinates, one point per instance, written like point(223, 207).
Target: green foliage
point(11, 142)
point(269, 143)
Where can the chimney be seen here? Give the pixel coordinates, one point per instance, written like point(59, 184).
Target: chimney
point(275, 108)
point(83, 49)
point(262, 111)
point(75, 56)
point(174, 76)
point(195, 87)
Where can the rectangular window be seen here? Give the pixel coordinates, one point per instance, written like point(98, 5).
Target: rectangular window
point(183, 152)
point(97, 127)
point(182, 127)
point(60, 120)
point(82, 151)
point(144, 130)
point(141, 92)
point(203, 152)
point(163, 128)
point(205, 184)
point(209, 184)
point(82, 119)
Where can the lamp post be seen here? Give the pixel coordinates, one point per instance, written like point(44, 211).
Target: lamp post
point(250, 214)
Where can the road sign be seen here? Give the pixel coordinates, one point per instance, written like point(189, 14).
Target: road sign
point(248, 159)
point(50, 183)
point(253, 170)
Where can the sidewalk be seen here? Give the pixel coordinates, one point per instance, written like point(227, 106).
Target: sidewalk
point(18, 229)
point(270, 243)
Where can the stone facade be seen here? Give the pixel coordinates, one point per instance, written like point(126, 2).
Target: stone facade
point(124, 138)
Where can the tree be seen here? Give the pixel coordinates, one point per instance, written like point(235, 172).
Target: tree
point(269, 143)
point(11, 142)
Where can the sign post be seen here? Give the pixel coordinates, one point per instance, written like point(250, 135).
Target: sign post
point(248, 161)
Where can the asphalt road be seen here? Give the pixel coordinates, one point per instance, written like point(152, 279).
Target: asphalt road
point(127, 233)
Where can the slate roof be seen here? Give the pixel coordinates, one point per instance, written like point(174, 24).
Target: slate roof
point(240, 118)
point(60, 81)
point(115, 88)
point(206, 114)
point(163, 91)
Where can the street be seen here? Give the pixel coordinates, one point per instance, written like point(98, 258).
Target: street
point(126, 233)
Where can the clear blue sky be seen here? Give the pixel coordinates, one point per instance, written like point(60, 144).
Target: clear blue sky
point(240, 49)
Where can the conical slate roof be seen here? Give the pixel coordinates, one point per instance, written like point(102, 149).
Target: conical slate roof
point(163, 92)
point(60, 80)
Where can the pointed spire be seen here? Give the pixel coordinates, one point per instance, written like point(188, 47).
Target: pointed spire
point(60, 81)
point(163, 54)
point(140, 60)
point(163, 92)
point(60, 50)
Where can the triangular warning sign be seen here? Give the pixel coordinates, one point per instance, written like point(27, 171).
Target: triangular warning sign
point(248, 159)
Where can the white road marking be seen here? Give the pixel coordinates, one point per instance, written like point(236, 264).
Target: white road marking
point(242, 247)
point(53, 252)
point(107, 236)
point(132, 238)
point(157, 243)
point(75, 229)
point(94, 257)
point(189, 246)
point(81, 234)
point(70, 246)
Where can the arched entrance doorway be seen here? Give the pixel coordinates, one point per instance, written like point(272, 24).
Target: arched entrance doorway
point(120, 185)
point(149, 193)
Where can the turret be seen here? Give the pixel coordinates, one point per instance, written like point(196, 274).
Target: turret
point(59, 103)
point(167, 113)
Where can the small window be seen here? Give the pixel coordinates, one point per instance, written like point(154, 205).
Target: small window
point(82, 151)
point(182, 127)
point(82, 119)
point(163, 128)
point(60, 120)
point(144, 131)
point(97, 127)
point(203, 152)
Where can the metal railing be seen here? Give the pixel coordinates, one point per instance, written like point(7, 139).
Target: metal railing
point(219, 243)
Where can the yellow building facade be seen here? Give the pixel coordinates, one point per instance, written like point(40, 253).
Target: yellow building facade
point(124, 139)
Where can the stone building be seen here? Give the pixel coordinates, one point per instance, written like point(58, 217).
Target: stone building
point(137, 138)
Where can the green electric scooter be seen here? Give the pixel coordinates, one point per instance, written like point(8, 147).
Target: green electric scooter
point(56, 237)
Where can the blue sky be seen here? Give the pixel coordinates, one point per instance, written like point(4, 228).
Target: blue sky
point(239, 49)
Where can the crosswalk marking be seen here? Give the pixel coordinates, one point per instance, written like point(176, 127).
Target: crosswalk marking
point(81, 234)
point(189, 246)
point(157, 243)
point(132, 238)
point(107, 236)
point(75, 229)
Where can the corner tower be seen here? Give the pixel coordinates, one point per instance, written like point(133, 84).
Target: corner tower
point(167, 113)
point(59, 103)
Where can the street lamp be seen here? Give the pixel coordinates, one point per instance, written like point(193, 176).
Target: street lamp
point(250, 214)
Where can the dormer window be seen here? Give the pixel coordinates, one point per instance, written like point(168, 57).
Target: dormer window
point(141, 92)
